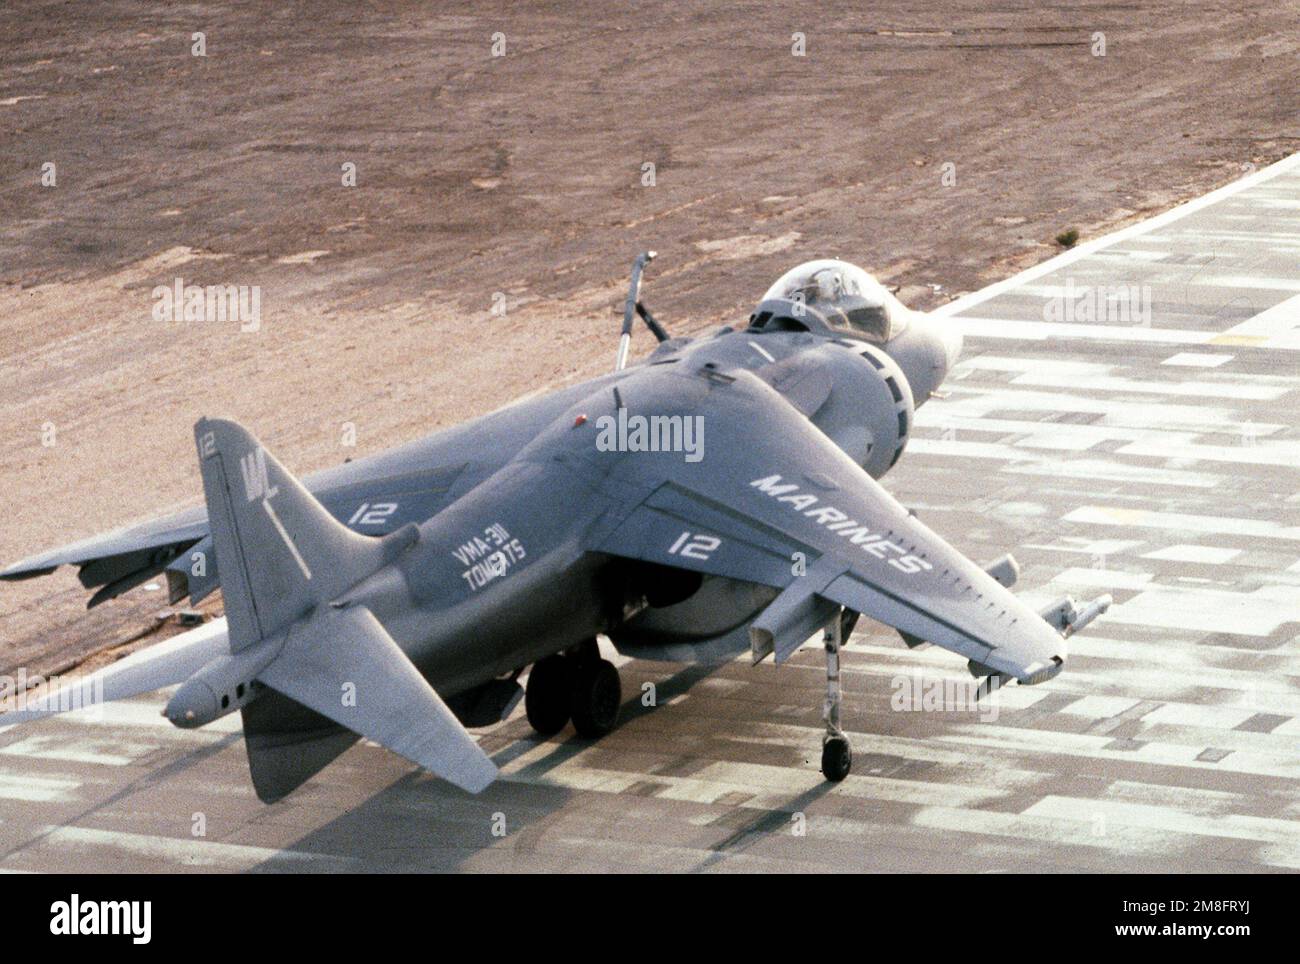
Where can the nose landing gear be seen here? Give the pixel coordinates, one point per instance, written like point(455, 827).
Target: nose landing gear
point(837, 755)
point(574, 685)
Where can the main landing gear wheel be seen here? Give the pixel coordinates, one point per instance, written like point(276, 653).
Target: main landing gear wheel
point(597, 695)
point(837, 758)
point(546, 701)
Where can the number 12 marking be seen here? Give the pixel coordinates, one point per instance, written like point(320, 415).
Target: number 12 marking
point(694, 546)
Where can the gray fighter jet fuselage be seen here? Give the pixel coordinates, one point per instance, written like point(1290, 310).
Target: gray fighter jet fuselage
point(465, 607)
point(715, 498)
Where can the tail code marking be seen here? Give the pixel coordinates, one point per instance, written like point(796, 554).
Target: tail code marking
point(256, 484)
point(279, 527)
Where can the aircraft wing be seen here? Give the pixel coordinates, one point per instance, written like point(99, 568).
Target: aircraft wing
point(371, 501)
point(772, 500)
point(162, 664)
point(122, 559)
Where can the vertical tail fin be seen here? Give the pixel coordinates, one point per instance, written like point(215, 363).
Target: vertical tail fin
point(282, 555)
point(279, 551)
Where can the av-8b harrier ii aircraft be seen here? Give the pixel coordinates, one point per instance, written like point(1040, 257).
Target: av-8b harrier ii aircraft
point(720, 496)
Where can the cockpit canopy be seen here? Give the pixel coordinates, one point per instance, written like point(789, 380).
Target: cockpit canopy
point(832, 294)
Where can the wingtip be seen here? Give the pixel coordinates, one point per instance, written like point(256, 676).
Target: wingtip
point(473, 770)
point(21, 570)
point(479, 781)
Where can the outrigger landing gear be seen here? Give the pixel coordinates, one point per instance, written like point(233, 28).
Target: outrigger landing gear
point(837, 755)
point(576, 684)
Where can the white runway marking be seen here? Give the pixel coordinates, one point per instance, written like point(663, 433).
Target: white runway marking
point(1248, 451)
point(1258, 613)
point(1066, 437)
point(1207, 717)
point(1106, 578)
point(1192, 359)
point(1127, 814)
point(1027, 463)
point(1182, 522)
point(37, 789)
point(972, 400)
point(1100, 707)
point(1090, 547)
point(1257, 391)
point(1277, 326)
point(103, 752)
point(1021, 740)
point(1255, 282)
point(1019, 330)
point(191, 852)
point(1203, 554)
point(145, 712)
point(1051, 832)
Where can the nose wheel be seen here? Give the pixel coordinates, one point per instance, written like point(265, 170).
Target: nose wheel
point(837, 754)
point(837, 758)
point(575, 685)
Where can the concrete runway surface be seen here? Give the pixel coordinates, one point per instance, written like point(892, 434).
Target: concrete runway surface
point(1153, 454)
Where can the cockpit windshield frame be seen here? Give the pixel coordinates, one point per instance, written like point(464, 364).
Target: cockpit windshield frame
point(841, 294)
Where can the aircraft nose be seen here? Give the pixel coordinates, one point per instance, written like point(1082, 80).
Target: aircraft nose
point(939, 341)
point(950, 337)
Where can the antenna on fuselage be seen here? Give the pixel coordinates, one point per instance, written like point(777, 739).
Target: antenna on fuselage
point(632, 308)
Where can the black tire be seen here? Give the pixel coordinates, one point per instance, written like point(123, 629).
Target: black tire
point(546, 701)
point(837, 759)
point(597, 696)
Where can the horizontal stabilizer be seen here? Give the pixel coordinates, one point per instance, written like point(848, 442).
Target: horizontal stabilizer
point(343, 664)
point(164, 664)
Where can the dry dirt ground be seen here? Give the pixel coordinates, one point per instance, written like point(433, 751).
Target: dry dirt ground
point(523, 176)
